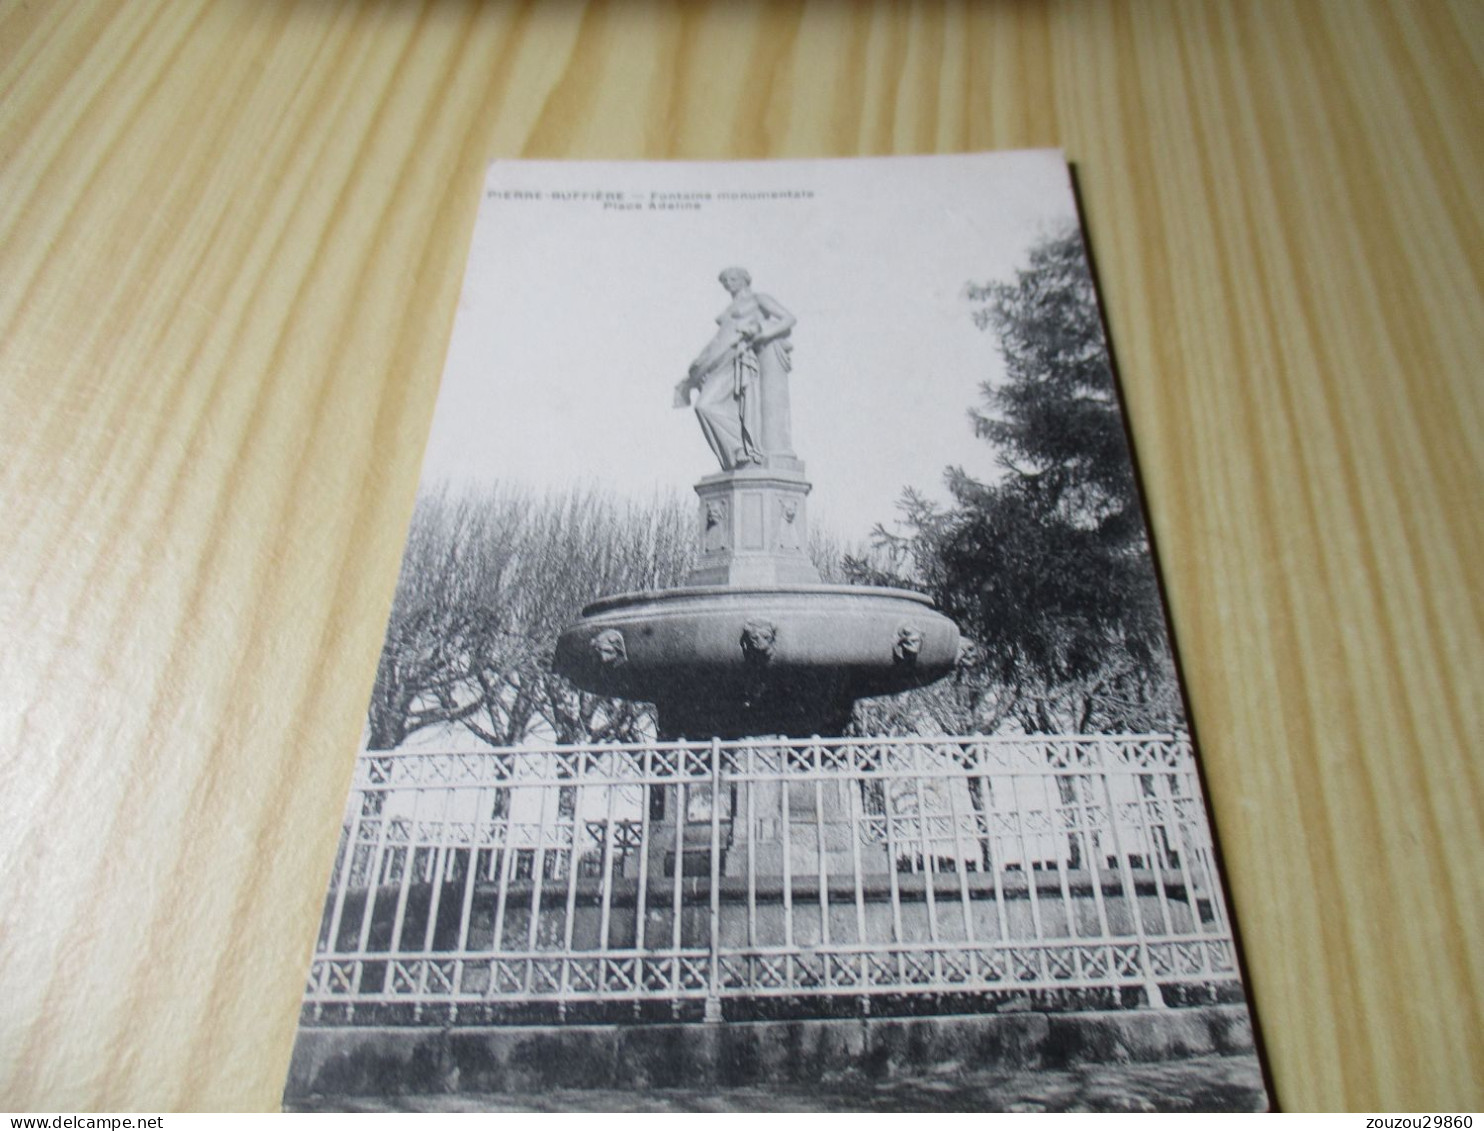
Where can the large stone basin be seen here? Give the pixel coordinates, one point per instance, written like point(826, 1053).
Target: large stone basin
point(733, 661)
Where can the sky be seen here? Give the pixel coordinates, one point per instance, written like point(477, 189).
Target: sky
point(591, 286)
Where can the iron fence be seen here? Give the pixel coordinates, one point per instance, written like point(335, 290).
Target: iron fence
point(771, 878)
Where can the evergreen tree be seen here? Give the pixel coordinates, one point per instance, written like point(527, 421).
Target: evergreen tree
point(1047, 568)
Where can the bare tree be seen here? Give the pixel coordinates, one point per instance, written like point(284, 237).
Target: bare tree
point(489, 578)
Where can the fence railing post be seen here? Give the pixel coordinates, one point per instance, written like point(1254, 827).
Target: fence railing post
point(713, 989)
point(1152, 991)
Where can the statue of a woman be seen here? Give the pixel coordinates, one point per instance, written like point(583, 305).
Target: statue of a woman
point(742, 375)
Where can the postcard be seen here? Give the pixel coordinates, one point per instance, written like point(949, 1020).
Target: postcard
point(777, 709)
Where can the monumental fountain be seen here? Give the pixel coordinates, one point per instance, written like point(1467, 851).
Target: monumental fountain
point(494, 915)
point(753, 643)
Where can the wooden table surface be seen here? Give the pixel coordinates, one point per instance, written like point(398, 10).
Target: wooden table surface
point(231, 240)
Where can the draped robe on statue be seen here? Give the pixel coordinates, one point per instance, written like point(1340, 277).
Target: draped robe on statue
point(733, 380)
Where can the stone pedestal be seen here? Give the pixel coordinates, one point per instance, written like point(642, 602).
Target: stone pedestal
point(755, 527)
point(820, 825)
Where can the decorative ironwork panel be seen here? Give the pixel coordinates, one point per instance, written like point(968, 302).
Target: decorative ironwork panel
point(772, 875)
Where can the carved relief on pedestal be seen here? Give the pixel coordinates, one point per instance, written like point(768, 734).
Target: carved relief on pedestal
point(715, 535)
point(788, 525)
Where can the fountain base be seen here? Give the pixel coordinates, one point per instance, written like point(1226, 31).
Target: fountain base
point(737, 661)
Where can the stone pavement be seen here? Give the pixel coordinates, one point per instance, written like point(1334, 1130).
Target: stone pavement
point(1208, 1083)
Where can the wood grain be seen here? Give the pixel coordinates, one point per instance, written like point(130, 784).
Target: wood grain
point(231, 237)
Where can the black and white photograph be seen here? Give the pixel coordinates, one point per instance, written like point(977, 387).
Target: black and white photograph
point(777, 709)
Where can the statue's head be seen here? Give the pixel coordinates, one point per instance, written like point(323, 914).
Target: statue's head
point(735, 279)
